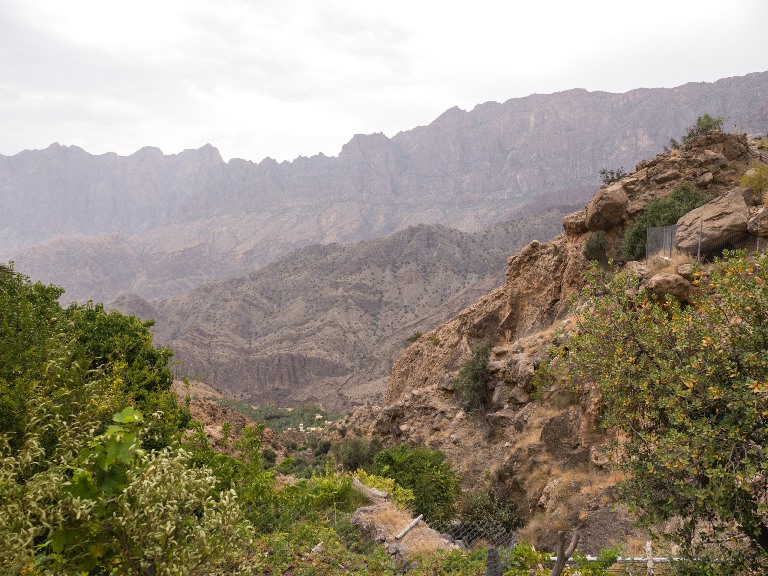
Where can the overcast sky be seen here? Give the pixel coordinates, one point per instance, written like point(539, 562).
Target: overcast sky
point(284, 78)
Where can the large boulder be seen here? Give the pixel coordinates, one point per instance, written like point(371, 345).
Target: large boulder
point(717, 222)
point(758, 224)
point(608, 208)
point(669, 284)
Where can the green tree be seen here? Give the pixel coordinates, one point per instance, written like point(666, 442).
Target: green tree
point(704, 124)
point(660, 212)
point(688, 386)
point(427, 473)
point(472, 380)
point(82, 342)
point(756, 178)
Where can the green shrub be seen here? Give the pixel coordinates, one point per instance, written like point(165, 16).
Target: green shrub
point(704, 124)
point(354, 453)
point(402, 497)
point(660, 212)
point(413, 337)
point(486, 514)
point(758, 180)
point(594, 247)
point(427, 473)
point(471, 383)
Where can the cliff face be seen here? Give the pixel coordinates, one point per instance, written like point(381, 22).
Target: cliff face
point(531, 443)
point(191, 216)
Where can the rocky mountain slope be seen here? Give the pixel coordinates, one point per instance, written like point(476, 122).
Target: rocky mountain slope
point(541, 446)
point(324, 323)
point(158, 225)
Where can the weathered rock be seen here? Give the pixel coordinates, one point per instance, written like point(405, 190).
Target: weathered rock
point(607, 208)
point(669, 284)
point(597, 456)
point(705, 180)
point(666, 176)
point(686, 271)
point(560, 436)
point(757, 225)
point(639, 269)
point(716, 222)
point(575, 223)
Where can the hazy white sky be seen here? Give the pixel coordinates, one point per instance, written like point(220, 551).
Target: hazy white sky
point(284, 78)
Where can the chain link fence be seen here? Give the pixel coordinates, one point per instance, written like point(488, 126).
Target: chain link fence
point(662, 241)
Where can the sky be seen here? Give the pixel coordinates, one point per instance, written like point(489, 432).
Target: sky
point(288, 78)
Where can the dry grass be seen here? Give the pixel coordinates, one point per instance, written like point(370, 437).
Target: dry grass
point(660, 263)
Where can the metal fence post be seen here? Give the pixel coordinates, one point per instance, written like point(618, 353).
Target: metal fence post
point(698, 251)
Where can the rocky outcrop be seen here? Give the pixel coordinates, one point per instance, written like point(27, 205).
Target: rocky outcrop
point(540, 444)
point(608, 208)
point(713, 224)
point(757, 225)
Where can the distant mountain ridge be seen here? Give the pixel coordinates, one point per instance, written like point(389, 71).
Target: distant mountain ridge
point(158, 225)
point(325, 322)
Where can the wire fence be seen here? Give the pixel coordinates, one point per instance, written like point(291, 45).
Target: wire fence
point(664, 241)
point(378, 537)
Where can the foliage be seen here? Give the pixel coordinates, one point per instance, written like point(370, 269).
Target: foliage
point(413, 337)
point(124, 345)
point(355, 452)
point(41, 342)
point(326, 546)
point(486, 514)
point(280, 419)
point(757, 181)
point(471, 563)
point(704, 124)
point(597, 567)
point(610, 176)
point(101, 503)
point(688, 386)
point(660, 212)
point(594, 247)
point(427, 473)
point(525, 560)
point(471, 383)
point(402, 497)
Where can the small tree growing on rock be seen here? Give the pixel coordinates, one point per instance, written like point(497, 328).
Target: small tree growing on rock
point(472, 381)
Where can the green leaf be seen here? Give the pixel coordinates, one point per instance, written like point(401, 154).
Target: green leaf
point(127, 415)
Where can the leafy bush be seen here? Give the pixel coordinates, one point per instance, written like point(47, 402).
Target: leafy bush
point(688, 385)
point(427, 473)
point(594, 247)
point(101, 504)
point(704, 124)
point(413, 337)
point(660, 212)
point(355, 453)
point(486, 514)
point(471, 383)
point(758, 180)
point(40, 342)
point(402, 497)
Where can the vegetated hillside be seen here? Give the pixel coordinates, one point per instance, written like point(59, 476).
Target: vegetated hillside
point(324, 323)
point(539, 445)
point(156, 225)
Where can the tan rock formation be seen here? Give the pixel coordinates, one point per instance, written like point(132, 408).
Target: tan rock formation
point(713, 224)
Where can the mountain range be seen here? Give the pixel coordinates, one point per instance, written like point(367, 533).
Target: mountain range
point(159, 225)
